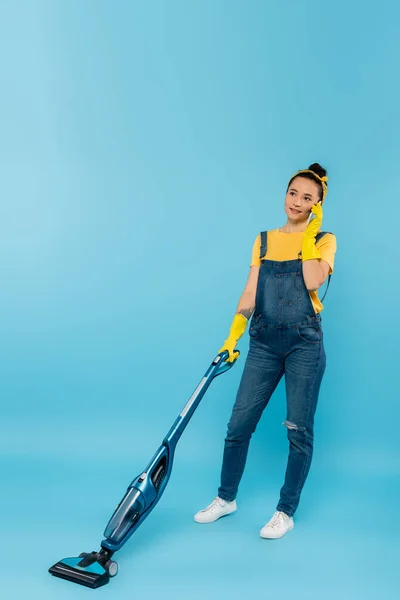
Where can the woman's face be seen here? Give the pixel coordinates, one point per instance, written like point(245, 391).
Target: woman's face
point(300, 197)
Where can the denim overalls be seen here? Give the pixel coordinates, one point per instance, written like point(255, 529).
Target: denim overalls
point(285, 338)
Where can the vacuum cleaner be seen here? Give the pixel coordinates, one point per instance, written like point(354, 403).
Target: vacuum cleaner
point(94, 569)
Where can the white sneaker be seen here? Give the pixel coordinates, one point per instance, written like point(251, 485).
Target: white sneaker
point(278, 526)
point(218, 508)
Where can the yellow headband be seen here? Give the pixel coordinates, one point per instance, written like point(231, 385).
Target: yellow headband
point(323, 180)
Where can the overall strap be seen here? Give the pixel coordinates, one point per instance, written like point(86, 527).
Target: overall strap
point(317, 238)
point(329, 280)
point(321, 234)
point(263, 245)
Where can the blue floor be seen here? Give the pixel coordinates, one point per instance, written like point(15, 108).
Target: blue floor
point(345, 543)
point(143, 147)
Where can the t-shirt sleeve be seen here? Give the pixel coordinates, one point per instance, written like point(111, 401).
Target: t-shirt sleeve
point(327, 248)
point(255, 255)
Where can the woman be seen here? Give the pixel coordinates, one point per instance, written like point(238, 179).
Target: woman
point(287, 268)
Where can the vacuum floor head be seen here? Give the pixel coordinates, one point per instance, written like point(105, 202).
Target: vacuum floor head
point(85, 570)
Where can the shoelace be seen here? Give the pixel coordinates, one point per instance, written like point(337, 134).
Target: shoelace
point(214, 504)
point(276, 520)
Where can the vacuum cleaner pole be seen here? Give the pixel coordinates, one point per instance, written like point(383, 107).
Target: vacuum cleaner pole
point(95, 569)
point(217, 367)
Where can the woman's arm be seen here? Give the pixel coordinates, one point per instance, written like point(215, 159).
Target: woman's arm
point(315, 273)
point(247, 300)
point(244, 311)
point(315, 268)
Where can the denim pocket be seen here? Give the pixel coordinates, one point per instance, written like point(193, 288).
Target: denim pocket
point(310, 333)
point(289, 287)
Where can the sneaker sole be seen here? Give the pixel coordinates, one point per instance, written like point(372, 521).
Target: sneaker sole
point(215, 518)
point(275, 537)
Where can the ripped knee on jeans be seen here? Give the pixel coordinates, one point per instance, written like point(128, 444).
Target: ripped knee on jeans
point(293, 426)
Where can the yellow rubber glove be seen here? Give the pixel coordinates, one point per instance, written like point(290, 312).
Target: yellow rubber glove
point(309, 250)
point(238, 327)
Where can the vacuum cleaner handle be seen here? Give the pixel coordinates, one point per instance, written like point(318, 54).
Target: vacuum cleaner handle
point(223, 364)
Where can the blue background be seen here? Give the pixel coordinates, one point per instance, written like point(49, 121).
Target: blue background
point(143, 146)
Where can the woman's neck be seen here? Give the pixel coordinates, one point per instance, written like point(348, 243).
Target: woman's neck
point(290, 228)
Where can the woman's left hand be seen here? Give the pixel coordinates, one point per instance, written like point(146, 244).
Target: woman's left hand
point(315, 224)
point(309, 250)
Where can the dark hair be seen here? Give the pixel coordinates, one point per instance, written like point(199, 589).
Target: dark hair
point(318, 170)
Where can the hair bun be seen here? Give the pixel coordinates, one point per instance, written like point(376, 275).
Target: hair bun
point(316, 168)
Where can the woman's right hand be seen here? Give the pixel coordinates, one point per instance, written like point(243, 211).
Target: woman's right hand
point(243, 313)
point(238, 327)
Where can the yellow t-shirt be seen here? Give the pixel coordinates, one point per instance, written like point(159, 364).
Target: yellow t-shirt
point(286, 246)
